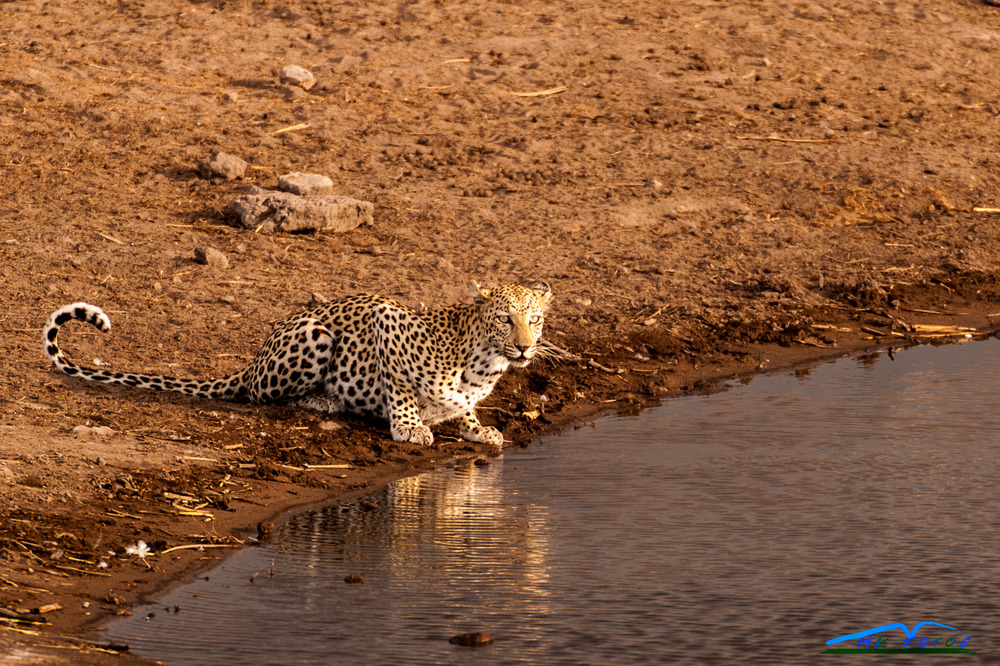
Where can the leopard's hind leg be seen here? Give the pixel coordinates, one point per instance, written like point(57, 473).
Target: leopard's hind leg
point(292, 364)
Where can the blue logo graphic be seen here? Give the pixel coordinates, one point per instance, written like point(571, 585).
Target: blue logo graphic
point(869, 640)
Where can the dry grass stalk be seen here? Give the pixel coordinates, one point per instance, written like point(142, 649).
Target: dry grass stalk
point(784, 140)
point(190, 546)
point(291, 128)
point(540, 93)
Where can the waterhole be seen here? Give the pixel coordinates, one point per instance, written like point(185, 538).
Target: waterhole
point(751, 525)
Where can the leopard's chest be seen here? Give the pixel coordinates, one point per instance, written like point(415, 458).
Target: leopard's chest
point(458, 392)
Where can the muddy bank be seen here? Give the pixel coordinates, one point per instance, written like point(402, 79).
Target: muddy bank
point(711, 190)
point(80, 503)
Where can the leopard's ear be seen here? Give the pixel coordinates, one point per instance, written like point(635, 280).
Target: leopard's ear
point(542, 292)
point(479, 295)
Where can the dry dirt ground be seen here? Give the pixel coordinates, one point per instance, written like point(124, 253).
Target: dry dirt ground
point(710, 189)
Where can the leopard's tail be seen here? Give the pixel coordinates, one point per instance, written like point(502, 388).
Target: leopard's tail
point(227, 388)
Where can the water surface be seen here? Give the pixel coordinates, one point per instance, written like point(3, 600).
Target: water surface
point(746, 526)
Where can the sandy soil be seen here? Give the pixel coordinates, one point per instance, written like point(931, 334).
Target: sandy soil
point(711, 189)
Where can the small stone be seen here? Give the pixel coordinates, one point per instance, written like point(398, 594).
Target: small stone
point(329, 426)
point(269, 210)
point(211, 257)
point(443, 264)
point(298, 76)
point(230, 97)
point(354, 579)
point(47, 608)
point(474, 639)
point(265, 531)
point(95, 432)
point(222, 165)
point(113, 598)
point(305, 183)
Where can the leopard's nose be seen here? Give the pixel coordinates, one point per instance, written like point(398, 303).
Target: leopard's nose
point(523, 348)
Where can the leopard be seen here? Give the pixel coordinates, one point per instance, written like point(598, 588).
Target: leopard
point(366, 354)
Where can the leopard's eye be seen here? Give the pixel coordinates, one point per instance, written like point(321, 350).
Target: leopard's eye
point(536, 320)
point(503, 319)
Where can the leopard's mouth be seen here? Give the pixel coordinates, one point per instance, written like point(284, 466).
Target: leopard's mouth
point(518, 358)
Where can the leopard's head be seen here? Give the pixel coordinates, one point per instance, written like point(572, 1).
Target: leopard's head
point(512, 318)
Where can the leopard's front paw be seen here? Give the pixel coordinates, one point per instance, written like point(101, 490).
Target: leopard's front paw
point(419, 434)
point(486, 435)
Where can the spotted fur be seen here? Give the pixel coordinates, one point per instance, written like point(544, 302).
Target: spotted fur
point(366, 354)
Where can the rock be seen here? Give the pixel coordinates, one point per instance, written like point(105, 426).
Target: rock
point(354, 579)
point(230, 97)
point(95, 432)
point(298, 76)
point(222, 165)
point(268, 210)
point(475, 639)
point(211, 257)
point(305, 184)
